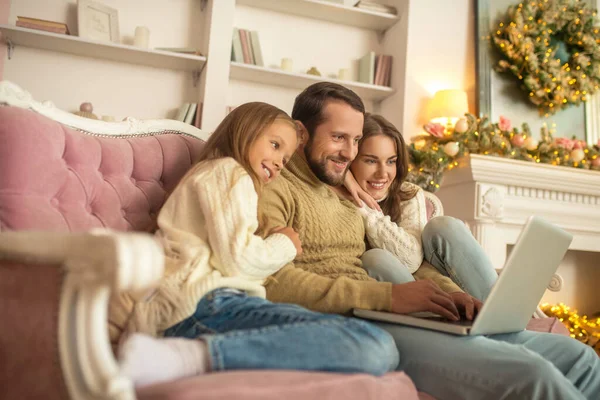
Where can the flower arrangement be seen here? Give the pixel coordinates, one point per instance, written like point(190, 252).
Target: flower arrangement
point(440, 149)
point(551, 47)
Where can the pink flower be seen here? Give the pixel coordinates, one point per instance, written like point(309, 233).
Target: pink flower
point(598, 144)
point(504, 124)
point(565, 143)
point(579, 144)
point(435, 129)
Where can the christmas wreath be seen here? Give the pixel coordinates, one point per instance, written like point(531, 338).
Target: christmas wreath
point(552, 48)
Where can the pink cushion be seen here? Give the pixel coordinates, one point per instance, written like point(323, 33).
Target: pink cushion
point(288, 385)
point(58, 179)
point(429, 208)
point(550, 325)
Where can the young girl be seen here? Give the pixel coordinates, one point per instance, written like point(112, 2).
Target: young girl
point(213, 290)
point(452, 255)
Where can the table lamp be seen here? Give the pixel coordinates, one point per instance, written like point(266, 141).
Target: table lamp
point(447, 107)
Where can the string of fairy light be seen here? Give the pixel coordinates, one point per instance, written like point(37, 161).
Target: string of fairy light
point(430, 156)
point(582, 328)
point(529, 45)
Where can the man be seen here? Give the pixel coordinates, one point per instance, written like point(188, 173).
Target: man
point(328, 276)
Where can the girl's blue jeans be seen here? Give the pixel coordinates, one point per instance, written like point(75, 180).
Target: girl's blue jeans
point(245, 332)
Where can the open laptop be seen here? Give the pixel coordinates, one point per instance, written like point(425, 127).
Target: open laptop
point(539, 250)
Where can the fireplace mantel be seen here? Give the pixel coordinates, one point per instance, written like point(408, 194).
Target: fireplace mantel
point(495, 196)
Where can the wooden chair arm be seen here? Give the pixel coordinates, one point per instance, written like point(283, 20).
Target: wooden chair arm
point(95, 264)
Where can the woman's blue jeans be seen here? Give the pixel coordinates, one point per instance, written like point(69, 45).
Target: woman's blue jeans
point(520, 365)
point(245, 332)
point(451, 248)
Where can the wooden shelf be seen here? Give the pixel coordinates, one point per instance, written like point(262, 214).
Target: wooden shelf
point(319, 9)
point(270, 76)
point(103, 50)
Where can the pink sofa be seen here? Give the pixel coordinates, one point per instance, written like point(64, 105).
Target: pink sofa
point(68, 176)
point(62, 173)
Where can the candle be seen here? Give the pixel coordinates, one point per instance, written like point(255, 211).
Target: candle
point(344, 74)
point(141, 37)
point(287, 64)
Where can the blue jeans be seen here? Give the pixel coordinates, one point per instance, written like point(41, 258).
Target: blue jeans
point(451, 248)
point(523, 365)
point(245, 332)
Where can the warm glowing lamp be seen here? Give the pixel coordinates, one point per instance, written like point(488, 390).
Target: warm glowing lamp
point(448, 106)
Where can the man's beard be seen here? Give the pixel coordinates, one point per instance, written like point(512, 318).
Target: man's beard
point(319, 167)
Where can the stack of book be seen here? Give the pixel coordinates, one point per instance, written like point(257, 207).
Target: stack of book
point(377, 7)
point(245, 47)
point(190, 113)
point(43, 25)
point(375, 69)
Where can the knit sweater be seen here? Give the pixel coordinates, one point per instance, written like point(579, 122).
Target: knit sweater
point(207, 227)
point(328, 275)
point(402, 238)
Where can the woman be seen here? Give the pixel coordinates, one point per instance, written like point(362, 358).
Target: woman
point(453, 258)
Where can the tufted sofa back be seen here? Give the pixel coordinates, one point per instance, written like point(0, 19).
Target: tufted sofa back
point(58, 179)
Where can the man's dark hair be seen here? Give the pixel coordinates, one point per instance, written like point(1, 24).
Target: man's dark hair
point(308, 106)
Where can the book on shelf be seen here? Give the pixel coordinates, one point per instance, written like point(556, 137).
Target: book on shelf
point(386, 71)
point(246, 50)
point(198, 117)
point(376, 7)
point(245, 47)
point(256, 51)
point(375, 69)
point(190, 113)
point(366, 68)
point(189, 116)
point(236, 47)
point(183, 109)
point(183, 50)
point(43, 25)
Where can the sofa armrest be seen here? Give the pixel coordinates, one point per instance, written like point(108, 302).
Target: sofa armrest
point(30, 361)
point(94, 265)
point(433, 205)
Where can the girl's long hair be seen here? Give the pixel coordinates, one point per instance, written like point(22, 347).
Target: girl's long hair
point(376, 125)
point(236, 134)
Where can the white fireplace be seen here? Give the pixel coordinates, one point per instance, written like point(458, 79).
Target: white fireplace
point(495, 196)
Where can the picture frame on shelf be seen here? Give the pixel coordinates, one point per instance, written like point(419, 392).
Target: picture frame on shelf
point(97, 21)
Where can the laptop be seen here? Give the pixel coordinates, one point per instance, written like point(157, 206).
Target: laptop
point(514, 297)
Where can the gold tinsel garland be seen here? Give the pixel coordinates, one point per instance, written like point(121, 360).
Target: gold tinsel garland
point(552, 48)
point(580, 326)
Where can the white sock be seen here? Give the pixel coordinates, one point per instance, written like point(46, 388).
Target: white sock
point(147, 360)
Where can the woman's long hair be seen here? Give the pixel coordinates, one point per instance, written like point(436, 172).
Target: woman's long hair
point(236, 134)
point(376, 125)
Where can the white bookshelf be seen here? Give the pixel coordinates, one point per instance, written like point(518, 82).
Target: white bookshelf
point(327, 11)
point(271, 76)
point(18, 36)
point(310, 32)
